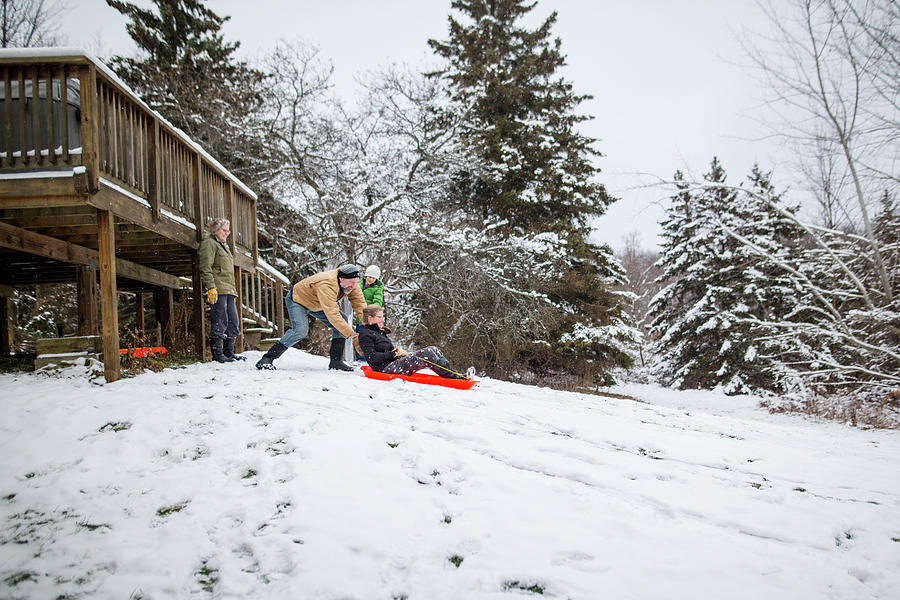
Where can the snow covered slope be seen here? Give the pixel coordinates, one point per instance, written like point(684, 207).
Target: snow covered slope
point(222, 481)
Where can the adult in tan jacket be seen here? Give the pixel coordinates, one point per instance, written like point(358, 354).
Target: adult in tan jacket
point(319, 296)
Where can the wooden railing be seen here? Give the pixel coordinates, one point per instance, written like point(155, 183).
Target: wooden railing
point(48, 119)
point(62, 109)
point(263, 299)
point(30, 135)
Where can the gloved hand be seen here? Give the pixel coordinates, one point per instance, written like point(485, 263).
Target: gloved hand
point(356, 347)
point(400, 352)
point(212, 294)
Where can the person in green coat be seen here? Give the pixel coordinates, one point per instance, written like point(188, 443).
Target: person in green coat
point(217, 277)
point(373, 289)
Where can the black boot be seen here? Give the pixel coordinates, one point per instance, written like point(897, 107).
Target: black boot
point(217, 354)
point(336, 354)
point(274, 352)
point(228, 350)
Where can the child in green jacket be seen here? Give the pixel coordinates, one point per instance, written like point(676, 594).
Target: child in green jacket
point(373, 289)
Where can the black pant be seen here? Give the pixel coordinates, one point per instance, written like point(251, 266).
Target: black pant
point(223, 318)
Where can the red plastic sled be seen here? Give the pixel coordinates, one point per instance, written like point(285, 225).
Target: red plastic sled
point(460, 384)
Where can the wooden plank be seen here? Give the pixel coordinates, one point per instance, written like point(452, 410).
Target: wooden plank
point(37, 186)
point(153, 188)
point(79, 343)
point(88, 321)
point(199, 306)
point(7, 122)
point(22, 240)
point(23, 155)
point(109, 310)
point(4, 324)
point(139, 312)
point(134, 212)
point(38, 59)
point(199, 212)
point(35, 116)
point(138, 272)
point(165, 306)
point(253, 232)
point(52, 125)
point(64, 100)
point(89, 127)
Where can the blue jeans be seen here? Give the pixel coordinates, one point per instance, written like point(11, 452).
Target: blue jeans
point(223, 318)
point(299, 316)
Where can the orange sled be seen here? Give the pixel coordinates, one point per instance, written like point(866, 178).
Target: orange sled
point(460, 384)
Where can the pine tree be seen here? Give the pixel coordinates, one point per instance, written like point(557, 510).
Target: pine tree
point(520, 117)
point(534, 183)
point(190, 74)
point(720, 259)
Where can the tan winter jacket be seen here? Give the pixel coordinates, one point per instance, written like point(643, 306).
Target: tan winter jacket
point(217, 266)
point(322, 292)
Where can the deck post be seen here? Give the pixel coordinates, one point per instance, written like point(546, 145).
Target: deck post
point(164, 301)
point(199, 309)
point(5, 341)
point(90, 156)
point(153, 169)
point(197, 197)
point(139, 312)
point(229, 214)
point(86, 285)
point(109, 315)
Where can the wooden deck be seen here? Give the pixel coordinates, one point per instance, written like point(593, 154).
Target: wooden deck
point(94, 183)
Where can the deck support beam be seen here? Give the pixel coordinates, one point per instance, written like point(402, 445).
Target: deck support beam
point(199, 309)
point(86, 284)
point(164, 314)
point(109, 310)
point(5, 338)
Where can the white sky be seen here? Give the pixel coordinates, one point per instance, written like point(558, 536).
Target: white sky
point(667, 91)
point(307, 483)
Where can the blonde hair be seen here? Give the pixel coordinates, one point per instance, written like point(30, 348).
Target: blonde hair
point(370, 311)
point(217, 224)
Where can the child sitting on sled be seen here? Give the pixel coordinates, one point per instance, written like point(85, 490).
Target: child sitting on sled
point(382, 355)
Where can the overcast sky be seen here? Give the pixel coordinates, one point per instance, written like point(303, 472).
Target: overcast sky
point(668, 93)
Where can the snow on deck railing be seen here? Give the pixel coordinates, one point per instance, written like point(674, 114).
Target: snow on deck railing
point(264, 266)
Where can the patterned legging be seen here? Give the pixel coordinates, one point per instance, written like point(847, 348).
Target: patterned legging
point(409, 364)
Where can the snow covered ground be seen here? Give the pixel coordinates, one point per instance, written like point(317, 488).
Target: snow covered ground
point(224, 482)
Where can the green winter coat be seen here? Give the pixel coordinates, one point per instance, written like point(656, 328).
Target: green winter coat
point(374, 294)
point(217, 266)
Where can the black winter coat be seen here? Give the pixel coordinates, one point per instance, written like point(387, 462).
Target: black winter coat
point(377, 347)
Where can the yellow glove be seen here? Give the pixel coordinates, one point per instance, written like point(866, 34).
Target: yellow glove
point(212, 294)
point(400, 352)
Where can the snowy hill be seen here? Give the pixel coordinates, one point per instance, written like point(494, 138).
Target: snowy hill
point(221, 481)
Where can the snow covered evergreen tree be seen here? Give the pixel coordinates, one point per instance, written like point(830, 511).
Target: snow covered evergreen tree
point(533, 183)
point(520, 117)
point(719, 289)
point(189, 73)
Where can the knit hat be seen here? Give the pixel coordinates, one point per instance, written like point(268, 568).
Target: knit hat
point(348, 271)
point(373, 271)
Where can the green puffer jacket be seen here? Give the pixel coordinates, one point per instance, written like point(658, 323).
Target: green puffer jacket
point(374, 294)
point(217, 266)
